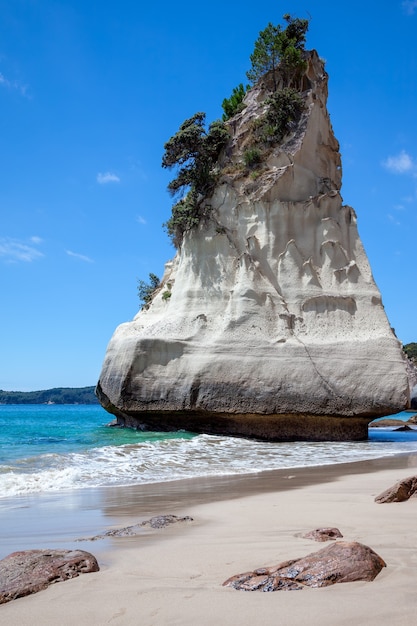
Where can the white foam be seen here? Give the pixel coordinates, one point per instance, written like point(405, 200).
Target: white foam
point(171, 459)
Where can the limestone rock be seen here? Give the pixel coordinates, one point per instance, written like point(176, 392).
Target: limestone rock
point(275, 327)
point(30, 571)
point(340, 562)
point(401, 491)
point(323, 534)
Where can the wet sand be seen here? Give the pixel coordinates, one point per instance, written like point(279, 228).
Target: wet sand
point(174, 575)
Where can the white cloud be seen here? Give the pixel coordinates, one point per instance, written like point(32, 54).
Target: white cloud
point(107, 177)
point(15, 84)
point(81, 257)
point(140, 219)
point(14, 251)
point(409, 6)
point(36, 240)
point(402, 163)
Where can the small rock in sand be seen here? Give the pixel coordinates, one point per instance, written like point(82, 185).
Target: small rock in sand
point(323, 534)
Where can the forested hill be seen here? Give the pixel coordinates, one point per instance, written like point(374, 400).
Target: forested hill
point(59, 395)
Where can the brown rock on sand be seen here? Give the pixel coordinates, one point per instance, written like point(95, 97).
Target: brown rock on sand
point(323, 534)
point(401, 491)
point(30, 571)
point(340, 562)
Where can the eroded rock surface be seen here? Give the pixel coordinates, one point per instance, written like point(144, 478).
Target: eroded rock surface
point(274, 327)
point(340, 562)
point(30, 571)
point(156, 522)
point(401, 491)
point(323, 534)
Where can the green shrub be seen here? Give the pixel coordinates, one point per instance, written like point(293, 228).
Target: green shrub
point(411, 351)
point(252, 156)
point(166, 295)
point(284, 110)
point(146, 290)
point(234, 104)
point(185, 215)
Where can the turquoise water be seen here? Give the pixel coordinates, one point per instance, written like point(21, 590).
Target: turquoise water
point(50, 448)
point(38, 429)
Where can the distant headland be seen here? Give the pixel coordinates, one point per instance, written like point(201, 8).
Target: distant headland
point(58, 395)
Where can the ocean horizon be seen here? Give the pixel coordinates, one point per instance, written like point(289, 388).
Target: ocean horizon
point(56, 448)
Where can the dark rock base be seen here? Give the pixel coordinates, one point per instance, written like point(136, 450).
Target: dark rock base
point(261, 427)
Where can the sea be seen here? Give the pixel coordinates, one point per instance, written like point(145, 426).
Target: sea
point(56, 448)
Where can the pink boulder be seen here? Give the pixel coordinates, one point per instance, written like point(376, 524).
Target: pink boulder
point(23, 573)
point(340, 562)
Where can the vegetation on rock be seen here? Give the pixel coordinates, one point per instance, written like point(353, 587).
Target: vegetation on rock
point(411, 351)
point(252, 156)
point(280, 51)
point(233, 105)
point(147, 289)
point(284, 110)
point(195, 151)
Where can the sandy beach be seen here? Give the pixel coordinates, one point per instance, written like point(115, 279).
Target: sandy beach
point(174, 575)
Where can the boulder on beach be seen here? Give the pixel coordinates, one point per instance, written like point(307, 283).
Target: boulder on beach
point(400, 492)
point(268, 322)
point(340, 562)
point(30, 571)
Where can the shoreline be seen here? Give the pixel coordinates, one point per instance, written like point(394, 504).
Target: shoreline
point(174, 575)
point(63, 518)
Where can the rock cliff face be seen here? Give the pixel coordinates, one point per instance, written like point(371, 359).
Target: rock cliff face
point(274, 327)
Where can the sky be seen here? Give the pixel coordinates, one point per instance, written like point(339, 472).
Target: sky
point(89, 94)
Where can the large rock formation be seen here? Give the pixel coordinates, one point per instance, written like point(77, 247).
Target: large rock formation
point(273, 326)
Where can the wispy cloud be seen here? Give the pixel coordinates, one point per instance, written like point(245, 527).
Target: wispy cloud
point(107, 177)
point(80, 257)
point(36, 240)
point(393, 220)
point(401, 163)
point(409, 6)
point(140, 219)
point(14, 84)
point(15, 250)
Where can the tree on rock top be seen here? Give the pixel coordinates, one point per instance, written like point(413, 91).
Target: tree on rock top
point(275, 47)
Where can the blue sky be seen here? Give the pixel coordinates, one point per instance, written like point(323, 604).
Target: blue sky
point(89, 94)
